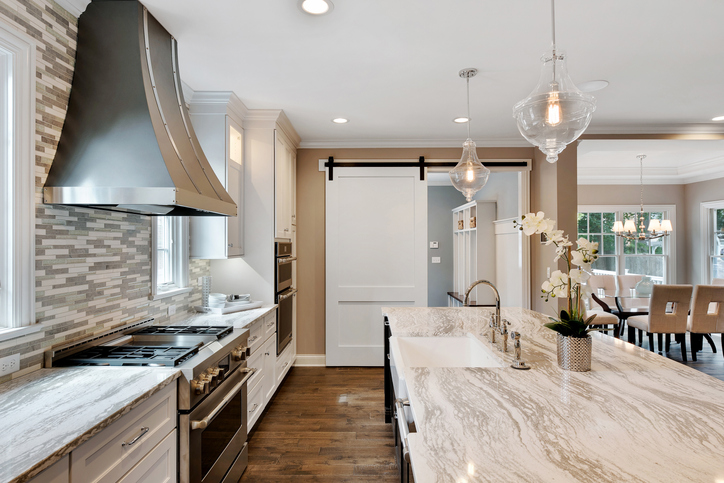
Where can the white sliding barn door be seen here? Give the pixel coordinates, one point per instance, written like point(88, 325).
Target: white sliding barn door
point(376, 255)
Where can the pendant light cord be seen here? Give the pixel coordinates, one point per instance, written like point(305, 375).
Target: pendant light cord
point(467, 80)
point(553, 24)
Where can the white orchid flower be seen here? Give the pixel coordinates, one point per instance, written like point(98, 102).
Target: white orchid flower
point(555, 236)
point(560, 292)
point(587, 246)
point(579, 276)
point(558, 278)
point(581, 259)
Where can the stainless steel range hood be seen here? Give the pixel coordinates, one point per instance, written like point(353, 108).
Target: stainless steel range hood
point(127, 143)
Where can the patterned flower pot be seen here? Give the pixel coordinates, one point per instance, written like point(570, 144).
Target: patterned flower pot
point(574, 353)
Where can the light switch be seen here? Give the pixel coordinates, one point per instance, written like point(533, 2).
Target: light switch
point(434, 245)
point(435, 259)
point(548, 272)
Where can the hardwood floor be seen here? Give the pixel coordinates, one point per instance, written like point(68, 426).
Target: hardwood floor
point(327, 425)
point(324, 425)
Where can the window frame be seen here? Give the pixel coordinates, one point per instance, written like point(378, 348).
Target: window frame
point(705, 219)
point(179, 248)
point(668, 241)
point(17, 200)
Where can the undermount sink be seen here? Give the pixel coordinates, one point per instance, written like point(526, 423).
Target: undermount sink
point(465, 351)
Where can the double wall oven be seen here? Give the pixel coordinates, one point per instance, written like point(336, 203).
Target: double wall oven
point(212, 411)
point(285, 292)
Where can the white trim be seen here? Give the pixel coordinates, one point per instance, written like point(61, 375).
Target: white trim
point(20, 190)
point(671, 260)
point(170, 293)
point(516, 142)
point(690, 173)
point(311, 360)
point(7, 334)
point(523, 208)
point(73, 7)
point(704, 219)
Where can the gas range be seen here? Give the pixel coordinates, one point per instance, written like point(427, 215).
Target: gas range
point(211, 391)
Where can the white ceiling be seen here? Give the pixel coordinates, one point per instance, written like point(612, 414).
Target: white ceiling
point(391, 66)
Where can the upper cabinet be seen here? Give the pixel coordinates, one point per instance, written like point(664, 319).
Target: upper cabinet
point(217, 119)
point(285, 160)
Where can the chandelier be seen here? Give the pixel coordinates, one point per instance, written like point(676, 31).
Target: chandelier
point(556, 113)
point(469, 175)
point(630, 231)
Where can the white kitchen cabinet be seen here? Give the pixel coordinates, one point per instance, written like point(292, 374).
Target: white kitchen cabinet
point(159, 466)
point(284, 158)
point(270, 357)
point(59, 472)
point(218, 126)
point(112, 453)
point(263, 384)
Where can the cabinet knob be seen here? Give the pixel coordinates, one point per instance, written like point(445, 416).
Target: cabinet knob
point(231, 245)
point(286, 229)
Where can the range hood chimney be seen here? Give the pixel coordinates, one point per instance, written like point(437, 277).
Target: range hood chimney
point(127, 143)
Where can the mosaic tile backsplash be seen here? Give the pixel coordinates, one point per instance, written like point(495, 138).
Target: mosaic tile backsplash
point(92, 267)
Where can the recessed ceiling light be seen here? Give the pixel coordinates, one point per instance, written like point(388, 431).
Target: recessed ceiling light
point(718, 118)
point(316, 7)
point(340, 120)
point(592, 86)
point(461, 120)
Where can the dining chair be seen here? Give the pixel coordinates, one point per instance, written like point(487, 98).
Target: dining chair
point(626, 283)
point(707, 316)
point(717, 281)
point(661, 321)
point(603, 319)
point(606, 283)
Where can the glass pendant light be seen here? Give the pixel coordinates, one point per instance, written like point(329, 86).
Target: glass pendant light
point(469, 176)
point(556, 113)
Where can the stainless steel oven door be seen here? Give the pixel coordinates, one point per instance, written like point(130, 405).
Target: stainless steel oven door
point(284, 273)
point(217, 432)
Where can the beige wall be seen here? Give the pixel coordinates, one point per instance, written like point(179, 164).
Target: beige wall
point(694, 195)
point(667, 194)
point(310, 223)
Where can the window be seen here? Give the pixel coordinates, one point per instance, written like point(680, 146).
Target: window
point(712, 221)
point(170, 260)
point(618, 256)
point(17, 182)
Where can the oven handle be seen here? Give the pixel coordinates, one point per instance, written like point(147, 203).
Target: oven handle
point(282, 261)
point(286, 296)
point(232, 394)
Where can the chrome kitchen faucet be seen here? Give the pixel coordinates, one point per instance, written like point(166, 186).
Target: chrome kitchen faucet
point(496, 325)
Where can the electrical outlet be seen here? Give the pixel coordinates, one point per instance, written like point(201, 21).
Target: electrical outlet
point(171, 310)
point(434, 244)
point(548, 272)
point(9, 364)
point(435, 259)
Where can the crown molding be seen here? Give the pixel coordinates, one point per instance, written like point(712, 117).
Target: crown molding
point(73, 7)
point(412, 143)
point(219, 102)
point(691, 173)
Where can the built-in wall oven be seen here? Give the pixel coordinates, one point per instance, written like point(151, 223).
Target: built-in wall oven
point(285, 292)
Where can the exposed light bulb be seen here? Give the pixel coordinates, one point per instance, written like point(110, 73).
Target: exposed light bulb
point(553, 113)
point(469, 175)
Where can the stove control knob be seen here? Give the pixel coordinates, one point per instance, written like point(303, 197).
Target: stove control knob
point(200, 386)
point(209, 377)
point(248, 351)
point(238, 354)
point(217, 373)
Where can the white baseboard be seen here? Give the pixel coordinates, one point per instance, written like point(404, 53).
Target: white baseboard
point(310, 360)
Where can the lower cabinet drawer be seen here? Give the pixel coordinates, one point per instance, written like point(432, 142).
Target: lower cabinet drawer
point(110, 454)
point(270, 324)
point(256, 335)
point(254, 405)
point(256, 361)
point(58, 473)
point(159, 466)
point(284, 362)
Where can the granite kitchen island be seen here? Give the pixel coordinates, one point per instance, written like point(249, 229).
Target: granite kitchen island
point(636, 417)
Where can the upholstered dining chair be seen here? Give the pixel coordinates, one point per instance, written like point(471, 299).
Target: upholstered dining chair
point(717, 281)
point(625, 284)
point(608, 284)
point(707, 316)
point(660, 321)
point(603, 319)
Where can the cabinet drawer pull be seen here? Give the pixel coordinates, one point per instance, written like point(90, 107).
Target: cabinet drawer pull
point(271, 324)
point(266, 353)
point(253, 339)
point(285, 365)
point(144, 430)
point(253, 409)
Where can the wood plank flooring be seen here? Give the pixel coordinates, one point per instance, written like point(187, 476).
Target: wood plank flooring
point(324, 425)
point(327, 425)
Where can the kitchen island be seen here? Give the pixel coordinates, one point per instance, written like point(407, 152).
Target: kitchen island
point(636, 417)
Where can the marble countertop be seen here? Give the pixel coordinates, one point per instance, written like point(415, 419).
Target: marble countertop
point(48, 413)
point(238, 320)
point(636, 417)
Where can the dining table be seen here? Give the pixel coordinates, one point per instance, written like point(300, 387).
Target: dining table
point(621, 311)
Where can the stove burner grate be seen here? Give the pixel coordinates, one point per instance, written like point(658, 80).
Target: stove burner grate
point(219, 331)
point(131, 356)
